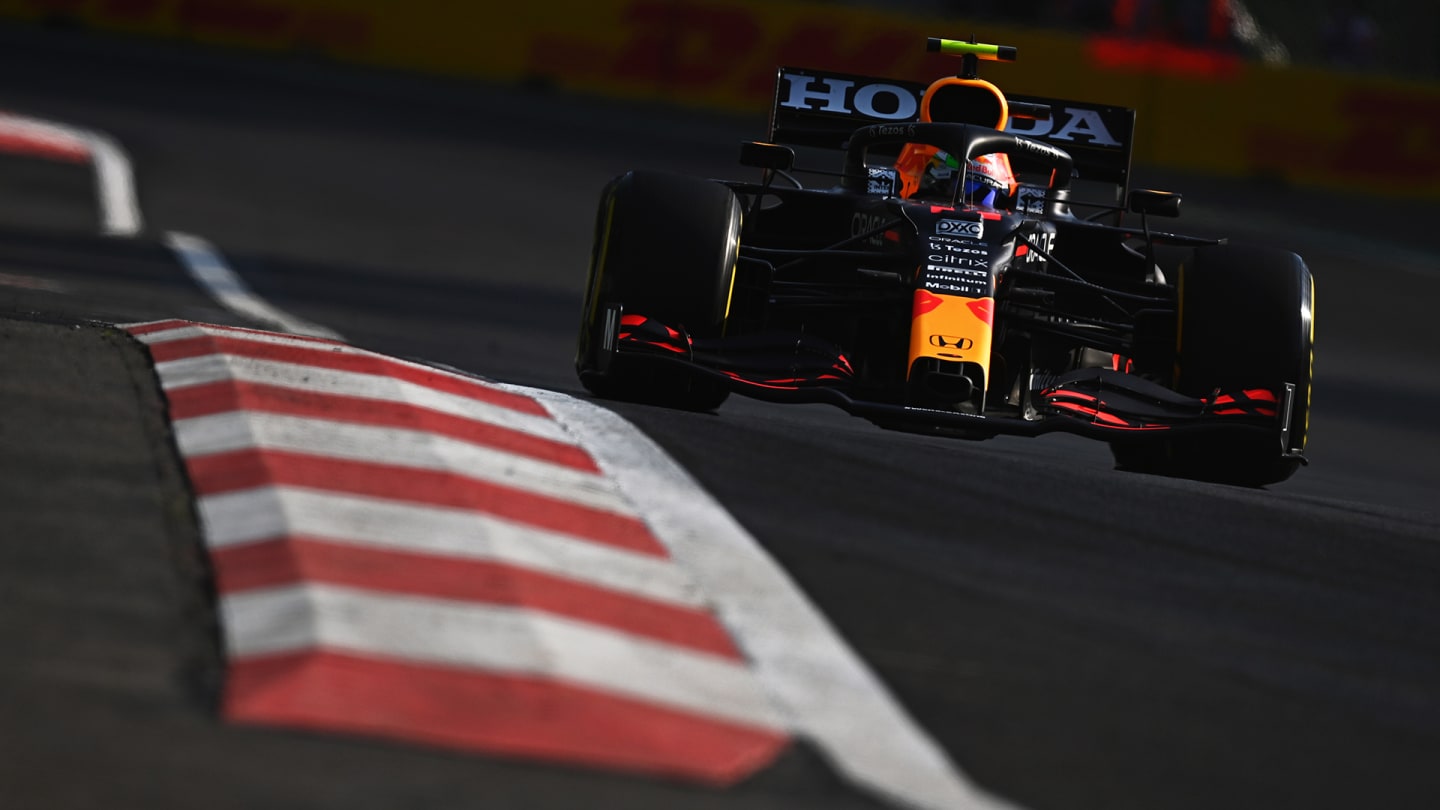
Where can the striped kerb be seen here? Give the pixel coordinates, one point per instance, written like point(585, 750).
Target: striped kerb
point(413, 554)
point(32, 138)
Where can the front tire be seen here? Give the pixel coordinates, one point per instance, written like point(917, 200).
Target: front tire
point(665, 247)
point(1246, 321)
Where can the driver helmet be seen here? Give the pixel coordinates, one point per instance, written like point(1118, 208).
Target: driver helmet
point(988, 179)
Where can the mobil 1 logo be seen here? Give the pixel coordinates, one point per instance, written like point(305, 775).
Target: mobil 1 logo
point(963, 281)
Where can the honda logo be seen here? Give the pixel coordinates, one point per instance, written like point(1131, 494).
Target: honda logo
point(881, 100)
point(950, 342)
point(1076, 124)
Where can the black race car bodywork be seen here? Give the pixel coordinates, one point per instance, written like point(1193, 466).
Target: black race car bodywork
point(1047, 310)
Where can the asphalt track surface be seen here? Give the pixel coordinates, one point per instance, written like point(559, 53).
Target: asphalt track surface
point(1075, 637)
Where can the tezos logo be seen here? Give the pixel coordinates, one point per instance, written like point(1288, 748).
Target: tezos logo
point(887, 131)
point(954, 246)
point(960, 227)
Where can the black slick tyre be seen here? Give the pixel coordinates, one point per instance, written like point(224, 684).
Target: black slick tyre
point(1246, 321)
point(665, 247)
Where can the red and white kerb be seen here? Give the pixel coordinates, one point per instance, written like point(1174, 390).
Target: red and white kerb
point(415, 554)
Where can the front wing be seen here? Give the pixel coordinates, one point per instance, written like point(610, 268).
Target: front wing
point(1099, 403)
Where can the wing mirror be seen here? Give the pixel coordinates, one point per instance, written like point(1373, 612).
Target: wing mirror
point(1154, 203)
point(767, 155)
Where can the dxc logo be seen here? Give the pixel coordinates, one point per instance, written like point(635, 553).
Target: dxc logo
point(960, 227)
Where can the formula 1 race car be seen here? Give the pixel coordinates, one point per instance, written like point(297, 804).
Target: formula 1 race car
point(973, 268)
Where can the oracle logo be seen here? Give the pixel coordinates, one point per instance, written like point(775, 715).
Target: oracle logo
point(864, 223)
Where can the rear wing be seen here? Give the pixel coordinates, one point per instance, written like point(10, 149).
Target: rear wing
point(822, 108)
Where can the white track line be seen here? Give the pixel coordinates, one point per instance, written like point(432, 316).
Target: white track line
point(828, 694)
point(119, 208)
point(114, 179)
point(210, 271)
point(120, 216)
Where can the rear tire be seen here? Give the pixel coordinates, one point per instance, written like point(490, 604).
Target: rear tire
point(665, 247)
point(1246, 321)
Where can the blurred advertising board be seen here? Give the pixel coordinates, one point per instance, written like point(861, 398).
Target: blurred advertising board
point(1198, 110)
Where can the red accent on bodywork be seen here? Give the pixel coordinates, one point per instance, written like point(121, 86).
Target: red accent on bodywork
point(632, 320)
point(669, 347)
point(1021, 250)
point(1075, 395)
point(1107, 420)
point(1099, 415)
point(946, 209)
point(926, 301)
point(982, 309)
point(1249, 396)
